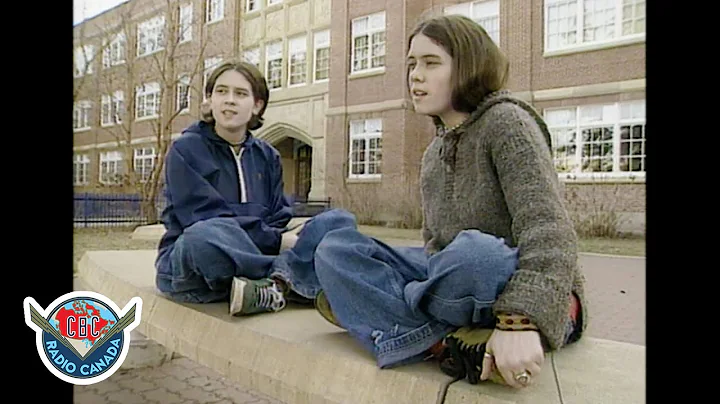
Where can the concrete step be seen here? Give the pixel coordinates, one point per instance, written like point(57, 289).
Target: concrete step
point(297, 357)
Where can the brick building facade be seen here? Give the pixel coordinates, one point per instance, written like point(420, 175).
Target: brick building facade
point(342, 119)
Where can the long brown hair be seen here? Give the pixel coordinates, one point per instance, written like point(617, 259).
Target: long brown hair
point(479, 66)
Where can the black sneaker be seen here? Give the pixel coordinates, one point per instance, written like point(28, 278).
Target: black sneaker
point(464, 353)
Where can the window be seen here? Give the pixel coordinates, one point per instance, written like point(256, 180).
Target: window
point(144, 162)
point(368, 42)
point(322, 55)
point(252, 56)
point(633, 17)
point(632, 137)
point(365, 148)
point(486, 13)
point(273, 2)
point(81, 115)
point(183, 94)
point(185, 26)
point(151, 35)
point(297, 48)
point(214, 10)
point(81, 164)
point(114, 52)
point(110, 167)
point(252, 5)
point(209, 65)
point(570, 23)
point(273, 64)
point(147, 101)
point(119, 106)
point(607, 138)
point(113, 107)
point(84, 56)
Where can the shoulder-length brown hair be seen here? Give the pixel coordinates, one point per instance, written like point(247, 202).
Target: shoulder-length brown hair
point(479, 66)
point(257, 83)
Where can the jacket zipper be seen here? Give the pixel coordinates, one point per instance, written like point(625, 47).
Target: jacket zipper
point(238, 163)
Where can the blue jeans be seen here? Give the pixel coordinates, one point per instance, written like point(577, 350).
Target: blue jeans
point(398, 302)
point(206, 257)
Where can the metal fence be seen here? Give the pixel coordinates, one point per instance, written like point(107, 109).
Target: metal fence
point(118, 210)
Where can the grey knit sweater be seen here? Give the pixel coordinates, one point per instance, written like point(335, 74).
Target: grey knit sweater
point(495, 173)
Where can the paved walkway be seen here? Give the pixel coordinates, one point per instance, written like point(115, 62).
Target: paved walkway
point(615, 291)
point(179, 381)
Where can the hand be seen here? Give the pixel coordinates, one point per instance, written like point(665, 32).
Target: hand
point(512, 353)
point(288, 241)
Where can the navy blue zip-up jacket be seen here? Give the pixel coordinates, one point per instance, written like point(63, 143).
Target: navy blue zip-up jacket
point(202, 182)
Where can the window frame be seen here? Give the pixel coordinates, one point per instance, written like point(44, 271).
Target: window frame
point(369, 32)
point(613, 121)
point(316, 48)
point(366, 136)
point(581, 45)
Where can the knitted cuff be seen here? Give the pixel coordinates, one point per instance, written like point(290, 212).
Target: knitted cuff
point(514, 322)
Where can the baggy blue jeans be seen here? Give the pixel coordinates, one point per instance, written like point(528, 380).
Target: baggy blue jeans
point(208, 254)
point(398, 302)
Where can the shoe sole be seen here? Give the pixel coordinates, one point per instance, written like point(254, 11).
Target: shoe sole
point(236, 302)
point(323, 307)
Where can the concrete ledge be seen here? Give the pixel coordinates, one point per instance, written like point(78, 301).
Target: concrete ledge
point(297, 357)
point(154, 232)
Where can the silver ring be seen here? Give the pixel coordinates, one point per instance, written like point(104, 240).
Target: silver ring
point(523, 377)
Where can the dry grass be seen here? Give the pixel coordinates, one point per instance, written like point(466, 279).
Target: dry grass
point(106, 239)
point(120, 239)
point(631, 246)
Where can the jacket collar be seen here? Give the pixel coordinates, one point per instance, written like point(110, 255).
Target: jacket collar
point(208, 131)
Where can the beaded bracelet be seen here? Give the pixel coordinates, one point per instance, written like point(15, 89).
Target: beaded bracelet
point(514, 322)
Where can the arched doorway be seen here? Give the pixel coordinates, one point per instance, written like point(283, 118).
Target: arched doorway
point(295, 148)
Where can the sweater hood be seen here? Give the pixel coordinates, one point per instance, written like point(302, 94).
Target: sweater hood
point(451, 137)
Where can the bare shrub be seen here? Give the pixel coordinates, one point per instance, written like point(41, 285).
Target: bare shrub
point(593, 210)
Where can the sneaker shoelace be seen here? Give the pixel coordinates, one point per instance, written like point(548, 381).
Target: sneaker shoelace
point(270, 297)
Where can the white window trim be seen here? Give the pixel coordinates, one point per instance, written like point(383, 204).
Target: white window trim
point(369, 33)
point(275, 3)
point(118, 96)
point(616, 174)
point(79, 106)
point(289, 61)
point(107, 60)
point(471, 8)
point(81, 161)
point(208, 11)
point(143, 90)
point(616, 41)
point(137, 157)
point(154, 22)
point(189, 30)
point(86, 53)
point(112, 101)
point(315, 52)
point(256, 9)
point(110, 157)
point(367, 136)
point(106, 100)
point(268, 60)
point(183, 79)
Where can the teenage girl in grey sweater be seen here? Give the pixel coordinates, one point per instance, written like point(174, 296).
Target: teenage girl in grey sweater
point(490, 198)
